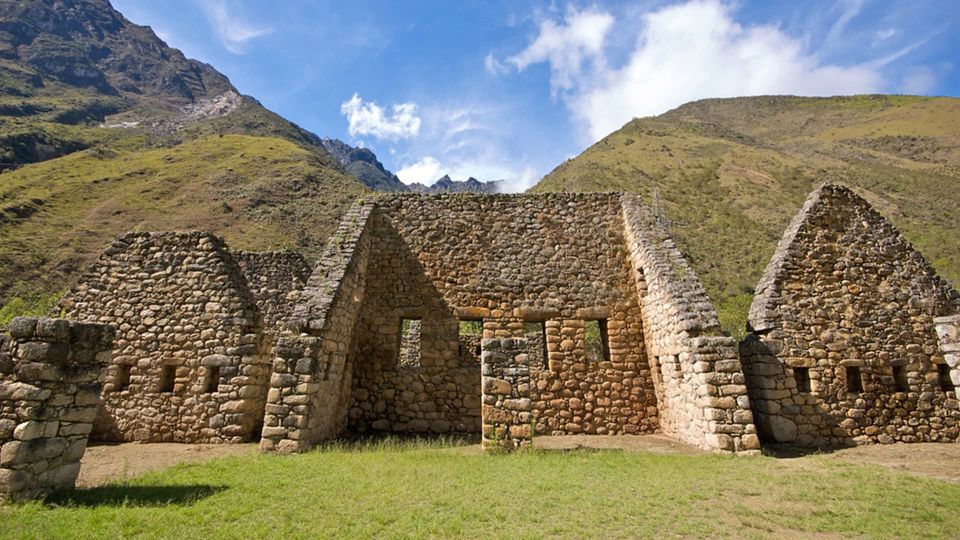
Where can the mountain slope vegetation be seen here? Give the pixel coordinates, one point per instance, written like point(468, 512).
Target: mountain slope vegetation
point(729, 174)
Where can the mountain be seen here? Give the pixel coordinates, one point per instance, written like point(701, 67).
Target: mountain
point(104, 129)
point(447, 185)
point(362, 164)
point(728, 175)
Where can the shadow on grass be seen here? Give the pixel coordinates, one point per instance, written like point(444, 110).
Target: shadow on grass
point(136, 496)
point(789, 451)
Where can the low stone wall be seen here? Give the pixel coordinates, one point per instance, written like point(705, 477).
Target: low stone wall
point(507, 412)
point(843, 348)
point(701, 391)
point(48, 399)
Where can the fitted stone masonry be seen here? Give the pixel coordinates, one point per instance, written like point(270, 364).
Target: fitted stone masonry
point(522, 316)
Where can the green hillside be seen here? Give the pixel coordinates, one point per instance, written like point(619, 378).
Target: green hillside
point(259, 193)
point(729, 175)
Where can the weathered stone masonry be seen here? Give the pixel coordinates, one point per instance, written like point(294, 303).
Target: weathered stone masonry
point(48, 399)
point(843, 348)
point(192, 353)
point(560, 260)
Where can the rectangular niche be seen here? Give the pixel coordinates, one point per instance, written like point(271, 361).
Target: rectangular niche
point(536, 334)
point(470, 333)
point(943, 378)
point(596, 343)
point(212, 382)
point(854, 383)
point(122, 380)
point(802, 376)
point(408, 350)
point(168, 376)
point(900, 379)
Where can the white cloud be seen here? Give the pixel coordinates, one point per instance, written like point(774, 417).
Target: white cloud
point(494, 66)
point(368, 118)
point(234, 33)
point(884, 34)
point(424, 171)
point(682, 53)
point(567, 47)
point(919, 80)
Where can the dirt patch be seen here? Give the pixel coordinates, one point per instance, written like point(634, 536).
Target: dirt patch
point(108, 463)
point(934, 460)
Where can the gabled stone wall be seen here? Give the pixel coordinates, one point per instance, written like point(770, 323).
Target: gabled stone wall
point(846, 293)
point(310, 386)
point(700, 386)
point(560, 259)
point(191, 361)
point(48, 399)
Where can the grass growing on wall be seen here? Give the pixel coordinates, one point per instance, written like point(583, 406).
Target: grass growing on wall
point(441, 490)
point(40, 305)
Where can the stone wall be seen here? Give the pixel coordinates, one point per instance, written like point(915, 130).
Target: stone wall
point(697, 374)
point(310, 387)
point(48, 399)
point(843, 348)
point(507, 412)
point(275, 279)
point(558, 258)
point(191, 360)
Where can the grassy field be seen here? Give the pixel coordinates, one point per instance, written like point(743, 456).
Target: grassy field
point(441, 490)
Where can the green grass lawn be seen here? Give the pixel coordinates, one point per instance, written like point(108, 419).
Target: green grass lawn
point(441, 490)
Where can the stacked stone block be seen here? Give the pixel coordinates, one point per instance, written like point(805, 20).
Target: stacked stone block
point(48, 399)
point(274, 278)
point(843, 348)
point(507, 412)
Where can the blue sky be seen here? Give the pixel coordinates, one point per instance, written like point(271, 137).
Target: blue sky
point(509, 89)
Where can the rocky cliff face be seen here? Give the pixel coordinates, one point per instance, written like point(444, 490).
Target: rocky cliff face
point(86, 43)
point(362, 164)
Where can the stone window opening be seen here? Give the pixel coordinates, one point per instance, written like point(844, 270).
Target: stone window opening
point(900, 379)
point(802, 376)
point(121, 381)
point(943, 378)
point(408, 347)
point(596, 343)
point(854, 383)
point(536, 334)
point(212, 382)
point(168, 375)
point(469, 334)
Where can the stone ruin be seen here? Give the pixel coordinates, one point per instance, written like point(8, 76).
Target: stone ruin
point(49, 392)
point(508, 316)
point(843, 346)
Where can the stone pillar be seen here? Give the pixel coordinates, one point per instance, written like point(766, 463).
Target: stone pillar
point(948, 331)
point(505, 386)
point(48, 399)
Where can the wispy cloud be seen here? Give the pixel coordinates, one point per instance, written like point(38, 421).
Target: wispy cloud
point(234, 33)
point(368, 118)
point(681, 53)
